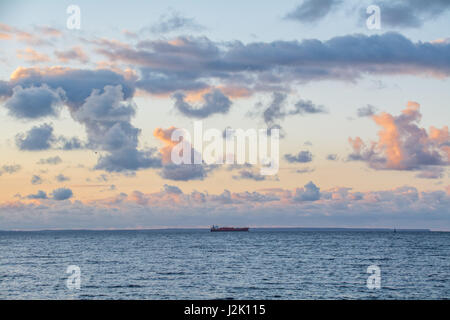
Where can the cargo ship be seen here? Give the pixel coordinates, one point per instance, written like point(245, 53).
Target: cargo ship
point(222, 229)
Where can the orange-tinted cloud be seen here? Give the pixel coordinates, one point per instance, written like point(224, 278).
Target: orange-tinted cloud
point(402, 144)
point(31, 55)
point(164, 135)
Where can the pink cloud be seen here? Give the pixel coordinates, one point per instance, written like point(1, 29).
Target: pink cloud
point(402, 144)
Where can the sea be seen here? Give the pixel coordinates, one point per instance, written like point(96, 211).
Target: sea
point(198, 264)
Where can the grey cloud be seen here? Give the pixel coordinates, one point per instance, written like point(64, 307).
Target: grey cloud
point(128, 159)
point(284, 63)
point(103, 178)
point(249, 175)
point(34, 102)
point(10, 169)
point(310, 192)
point(39, 195)
point(277, 110)
point(61, 178)
point(35, 179)
point(409, 13)
point(172, 189)
point(51, 160)
point(70, 143)
point(306, 106)
point(366, 111)
point(158, 82)
point(312, 10)
point(77, 84)
point(62, 194)
point(185, 172)
point(75, 53)
point(431, 173)
point(107, 117)
point(332, 157)
point(214, 102)
point(394, 13)
point(174, 21)
point(101, 101)
point(37, 138)
point(5, 89)
point(42, 138)
point(301, 157)
point(305, 170)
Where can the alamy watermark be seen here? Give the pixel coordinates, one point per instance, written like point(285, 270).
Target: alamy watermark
point(374, 20)
point(229, 147)
point(74, 279)
point(74, 20)
point(374, 280)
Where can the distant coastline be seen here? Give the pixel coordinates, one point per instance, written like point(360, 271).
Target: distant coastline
point(252, 229)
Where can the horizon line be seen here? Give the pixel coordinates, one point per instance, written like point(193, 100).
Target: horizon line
point(250, 228)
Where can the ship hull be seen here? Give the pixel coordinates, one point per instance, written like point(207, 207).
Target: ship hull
point(228, 229)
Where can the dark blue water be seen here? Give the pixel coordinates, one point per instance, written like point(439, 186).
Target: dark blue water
point(197, 264)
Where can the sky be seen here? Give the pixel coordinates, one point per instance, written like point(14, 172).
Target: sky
point(89, 98)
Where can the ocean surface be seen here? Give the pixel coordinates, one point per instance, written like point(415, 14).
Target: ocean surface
point(198, 264)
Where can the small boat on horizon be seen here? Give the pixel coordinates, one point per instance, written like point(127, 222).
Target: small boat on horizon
point(222, 229)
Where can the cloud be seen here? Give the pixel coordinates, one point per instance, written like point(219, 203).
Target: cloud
point(332, 157)
point(128, 159)
point(249, 175)
point(185, 172)
point(310, 192)
point(166, 82)
point(214, 102)
point(61, 178)
point(394, 13)
point(70, 143)
point(51, 160)
point(34, 102)
point(174, 21)
point(180, 172)
point(101, 101)
point(36, 180)
point(409, 13)
point(10, 169)
point(5, 89)
point(306, 106)
point(41, 137)
point(75, 53)
point(62, 194)
point(31, 55)
point(404, 207)
point(172, 189)
point(305, 170)
point(277, 110)
point(49, 31)
point(76, 84)
point(278, 65)
point(39, 195)
point(302, 157)
point(165, 136)
point(9, 33)
point(402, 144)
point(310, 11)
point(431, 173)
point(37, 138)
point(366, 111)
point(107, 118)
